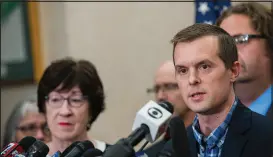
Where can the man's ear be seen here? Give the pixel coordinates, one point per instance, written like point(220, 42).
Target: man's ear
point(235, 71)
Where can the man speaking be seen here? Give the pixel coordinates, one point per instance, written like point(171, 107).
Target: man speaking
point(206, 67)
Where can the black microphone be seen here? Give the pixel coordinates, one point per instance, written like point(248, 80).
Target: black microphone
point(69, 148)
point(179, 137)
point(121, 149)
point(92, 153)
point(38, 149)
point(78, 149)
point(18, 148)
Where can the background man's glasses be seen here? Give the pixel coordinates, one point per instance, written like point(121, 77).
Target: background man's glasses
point(57, 101)
point(164, 87)
point(32, 129)
point(244, 38)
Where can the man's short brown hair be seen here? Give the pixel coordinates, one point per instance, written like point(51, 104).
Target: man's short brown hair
point(226, 45)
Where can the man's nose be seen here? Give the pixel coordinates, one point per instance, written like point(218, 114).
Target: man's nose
point(194, 78)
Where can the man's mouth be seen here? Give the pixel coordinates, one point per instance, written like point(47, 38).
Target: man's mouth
point(196, 94)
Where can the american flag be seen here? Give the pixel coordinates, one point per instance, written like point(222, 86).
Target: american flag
point(207, 11)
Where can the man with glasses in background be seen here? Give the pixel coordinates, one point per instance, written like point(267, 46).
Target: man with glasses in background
point(251, 26)
point(166, 89)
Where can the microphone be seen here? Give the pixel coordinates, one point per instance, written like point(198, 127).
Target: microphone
point(38, 149)
point(9, 147)
point(92, 153)
point(121, 149)
point(18, 148)
point(179, 137)
point(78, 149)
point(150, 122)
point(69, 148)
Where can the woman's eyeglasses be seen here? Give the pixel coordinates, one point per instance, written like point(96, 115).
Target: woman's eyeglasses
point(244, 38)
point(57, 101)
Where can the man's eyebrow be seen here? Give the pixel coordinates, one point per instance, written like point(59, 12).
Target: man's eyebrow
point(205, 61)
point(179, 66)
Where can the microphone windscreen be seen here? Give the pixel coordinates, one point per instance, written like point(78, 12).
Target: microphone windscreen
point(92, 153)
point(78, 149)
point(27, 142)
point(38, 149)
point(85, 145)
point(167, 105)
point(179, 137)
point(69, 148)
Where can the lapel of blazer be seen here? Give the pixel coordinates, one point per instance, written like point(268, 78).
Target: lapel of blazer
point(192, 142)
point(269, 113)
point(236, 138)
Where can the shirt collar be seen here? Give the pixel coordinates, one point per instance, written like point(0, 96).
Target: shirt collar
point(217, 136)
point(263, 102)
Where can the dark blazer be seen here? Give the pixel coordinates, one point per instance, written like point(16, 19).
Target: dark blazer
point(269, 113)
point(250, 135)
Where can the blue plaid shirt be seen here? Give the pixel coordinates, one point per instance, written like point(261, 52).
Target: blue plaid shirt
point(211, 146)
